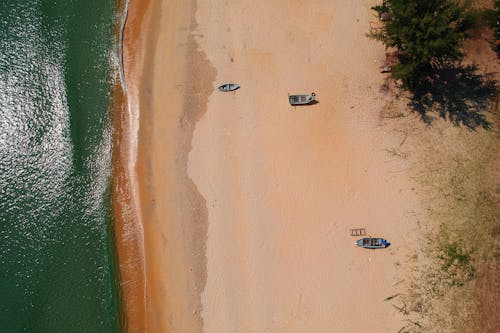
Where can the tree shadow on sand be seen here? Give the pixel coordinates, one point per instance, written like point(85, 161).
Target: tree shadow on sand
point(456, 93)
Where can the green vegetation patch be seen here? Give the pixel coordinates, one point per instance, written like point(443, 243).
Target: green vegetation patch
point(453, 278)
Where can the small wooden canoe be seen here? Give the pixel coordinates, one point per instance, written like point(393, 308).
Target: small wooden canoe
point(229, 87)
point(373, 243)
point(301, 99)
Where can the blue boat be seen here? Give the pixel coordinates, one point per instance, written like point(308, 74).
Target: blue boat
point(373, 243)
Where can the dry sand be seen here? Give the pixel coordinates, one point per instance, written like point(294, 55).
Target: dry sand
point(247, 202)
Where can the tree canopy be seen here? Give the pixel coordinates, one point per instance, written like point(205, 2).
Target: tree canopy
point(427, 35)
point(496, 27)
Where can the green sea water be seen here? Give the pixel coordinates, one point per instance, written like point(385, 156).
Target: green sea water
point(57, 266)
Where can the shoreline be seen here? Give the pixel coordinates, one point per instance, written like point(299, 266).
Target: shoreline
point(129, 236)
point(170, 79)
point(167, 204)
point(240, 198)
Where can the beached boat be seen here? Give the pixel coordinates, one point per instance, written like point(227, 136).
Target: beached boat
point(373, 243)
point(301, 99)
point(229, 87)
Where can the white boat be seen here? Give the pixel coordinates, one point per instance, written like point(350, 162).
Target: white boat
point(301, 99)
point(229, 87)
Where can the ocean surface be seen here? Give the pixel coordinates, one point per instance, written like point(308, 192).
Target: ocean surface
point(57, 263)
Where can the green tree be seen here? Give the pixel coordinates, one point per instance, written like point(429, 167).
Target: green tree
point(427, 34)
point(496, 27)
point(491, 18)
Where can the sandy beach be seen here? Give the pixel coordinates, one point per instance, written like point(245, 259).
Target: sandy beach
point(245, 201)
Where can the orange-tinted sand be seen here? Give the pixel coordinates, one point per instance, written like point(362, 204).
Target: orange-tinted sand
point(172, 212)
point(128, 228)
point(246, 202)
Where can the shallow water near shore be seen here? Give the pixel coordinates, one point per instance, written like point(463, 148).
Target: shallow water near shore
point(56, 253)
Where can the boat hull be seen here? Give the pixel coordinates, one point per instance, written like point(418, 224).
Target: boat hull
point(373, 243)
point(301, 99)
point(229, 87)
